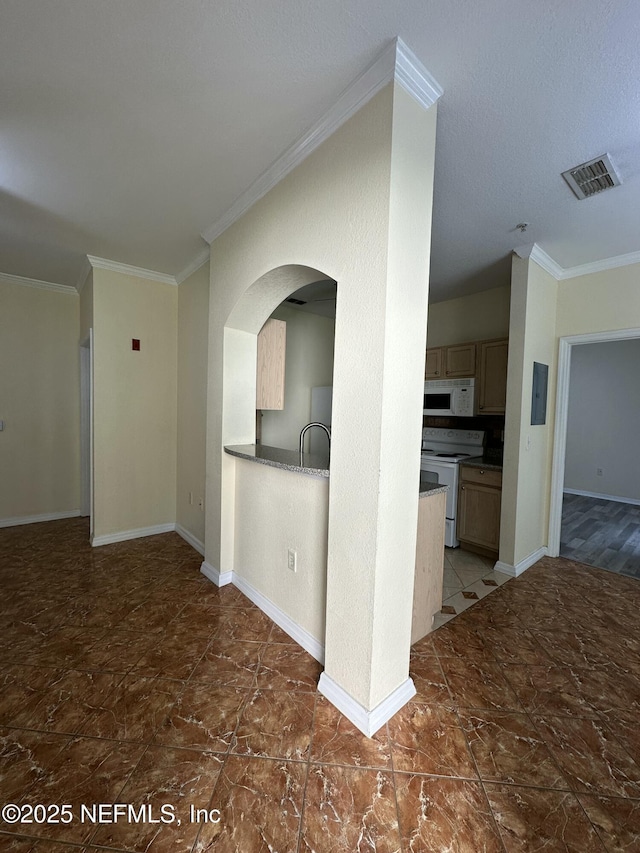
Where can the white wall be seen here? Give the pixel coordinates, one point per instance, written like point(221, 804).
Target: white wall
point(39, 401)
point(135, 403)
point(477, 317)
point(603, 419)
point(309, 363)
point(193, 329)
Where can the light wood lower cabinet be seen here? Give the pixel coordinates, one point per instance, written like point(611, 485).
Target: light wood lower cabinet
point(427, 586)
point(479, 501)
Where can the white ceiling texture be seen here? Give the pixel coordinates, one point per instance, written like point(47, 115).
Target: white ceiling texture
point(128, 128)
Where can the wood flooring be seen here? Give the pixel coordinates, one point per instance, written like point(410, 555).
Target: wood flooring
point(601, 533)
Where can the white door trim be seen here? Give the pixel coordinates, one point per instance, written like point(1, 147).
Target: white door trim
point(562, 412)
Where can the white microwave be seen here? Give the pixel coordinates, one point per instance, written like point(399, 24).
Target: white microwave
point(449, 397)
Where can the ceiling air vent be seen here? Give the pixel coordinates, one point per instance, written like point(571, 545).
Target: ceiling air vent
point(294, 301)
point(593, 177)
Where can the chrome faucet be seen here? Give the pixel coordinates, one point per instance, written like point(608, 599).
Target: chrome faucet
point(304, 429)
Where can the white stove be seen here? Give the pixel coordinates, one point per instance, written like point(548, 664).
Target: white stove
point(442, 452)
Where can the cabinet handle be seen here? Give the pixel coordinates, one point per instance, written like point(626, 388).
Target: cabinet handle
point(481, 407)
point(462, 488)
point(482, 472)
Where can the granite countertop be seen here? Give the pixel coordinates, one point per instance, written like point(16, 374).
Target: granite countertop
point(428, 488)
point(483, 462)
point(316, 464)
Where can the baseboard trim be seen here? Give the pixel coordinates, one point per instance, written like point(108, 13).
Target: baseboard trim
point(369, 722)
point(191, 539)
point(580, 493)
point(37, 519)
point(138, 533)
point(302, 637)
point(523, 565)
point(283, 620)
point(215, 575)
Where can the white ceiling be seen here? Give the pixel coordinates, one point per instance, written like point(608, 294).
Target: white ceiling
point(128, 128)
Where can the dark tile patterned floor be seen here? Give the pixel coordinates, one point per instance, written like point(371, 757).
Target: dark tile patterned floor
point(601, 533)
point(128, 678)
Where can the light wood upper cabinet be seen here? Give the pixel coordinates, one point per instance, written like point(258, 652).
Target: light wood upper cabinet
point(433, 368)
point(451, 362)
point(484, 360)
point(492, 377)
point(270, 365)
point(460, 361)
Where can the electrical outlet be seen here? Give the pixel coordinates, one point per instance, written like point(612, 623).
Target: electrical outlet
point(599, 472)
point(292, 560)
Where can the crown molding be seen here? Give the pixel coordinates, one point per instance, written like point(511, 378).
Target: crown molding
point(34, 282)
point(84, 274)
point(396, 62)
point(547, 263)
point(414, 78)
point(601, 266)
point(126, 269)
point(199, 261)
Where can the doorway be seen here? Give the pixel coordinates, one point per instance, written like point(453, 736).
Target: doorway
point(595, 501)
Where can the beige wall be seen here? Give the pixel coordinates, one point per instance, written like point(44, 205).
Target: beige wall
point(277, 510)
point(193, 328)
point(528, 449)
point(135, 402)
point(358, 210)
point(478, 317)
point(309, 363)
point(39, 401)
point(542, 311)
point(600, 302)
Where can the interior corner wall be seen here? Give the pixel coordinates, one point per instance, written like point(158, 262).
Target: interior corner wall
point(528, 449)
point(477, 317)
point(39, 402)
point(193, 331)
point(308, 363)
point(135, 403)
